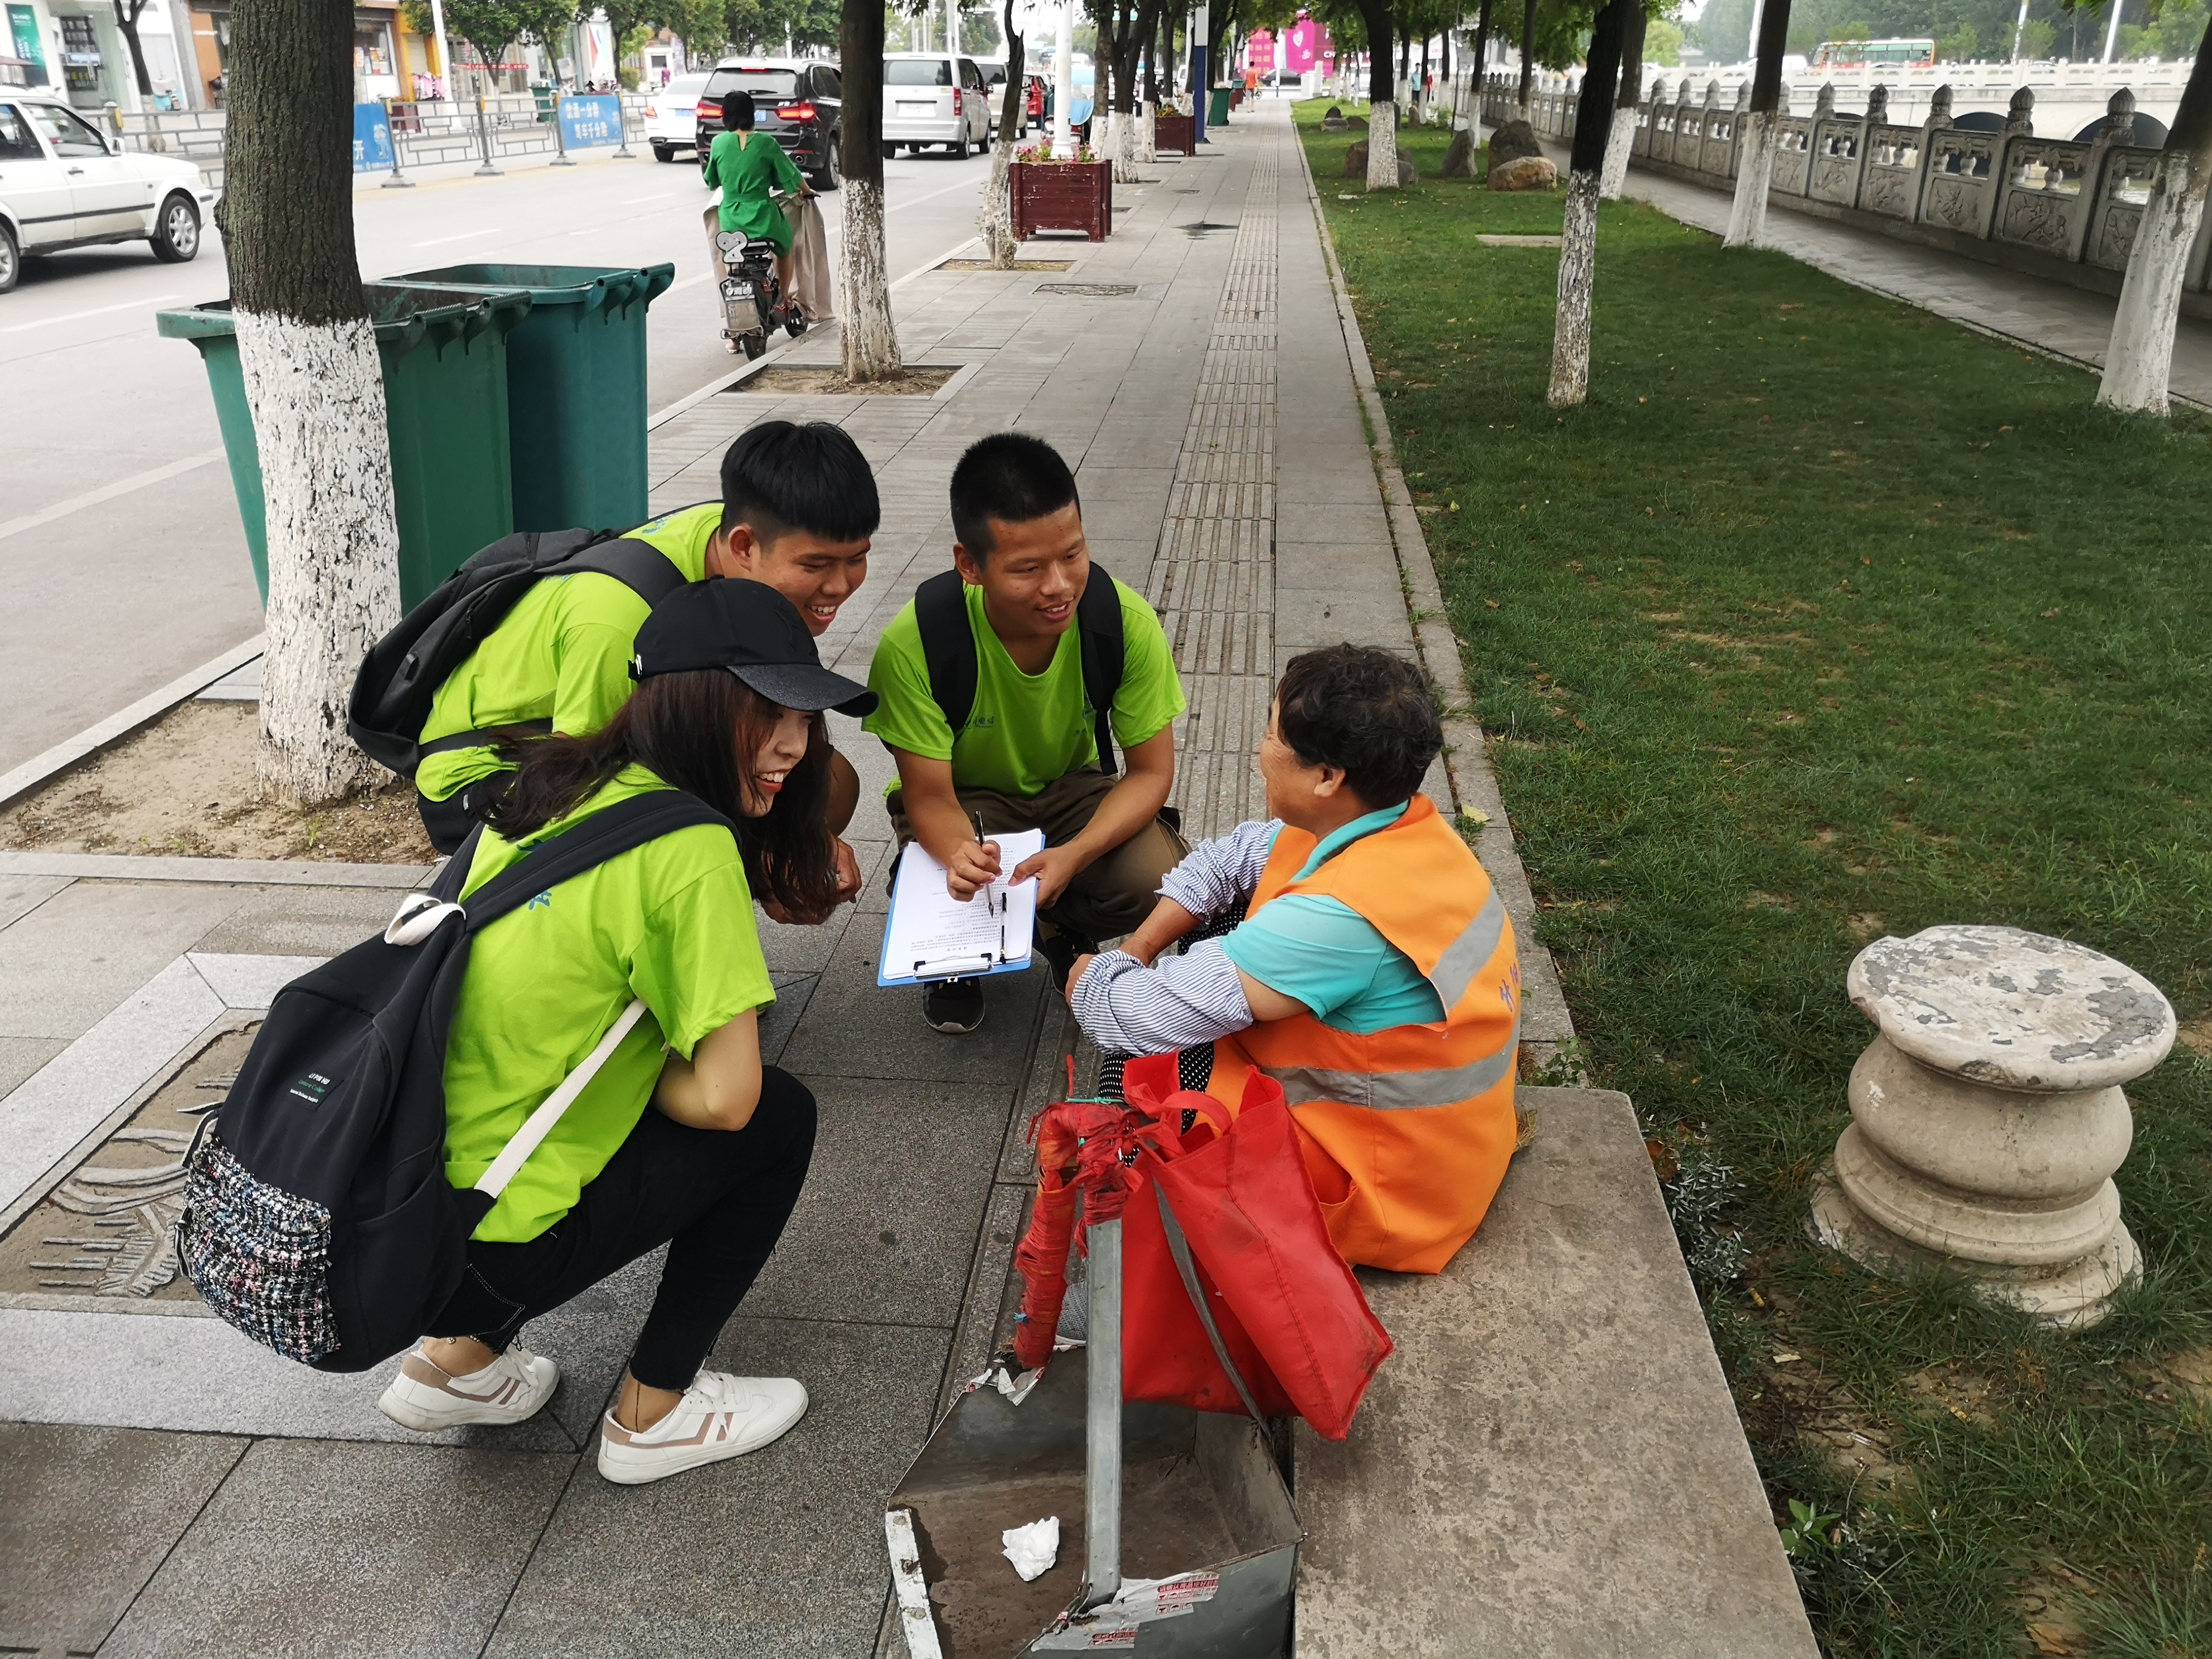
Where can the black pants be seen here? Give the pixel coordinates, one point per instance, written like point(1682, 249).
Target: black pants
point(447, 822)
point(719, 1200)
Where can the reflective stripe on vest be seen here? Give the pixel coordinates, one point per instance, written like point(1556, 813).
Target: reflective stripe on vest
point(1399, 1091)
point(1469, 954)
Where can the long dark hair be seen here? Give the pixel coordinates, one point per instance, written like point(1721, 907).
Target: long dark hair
point(700, 731)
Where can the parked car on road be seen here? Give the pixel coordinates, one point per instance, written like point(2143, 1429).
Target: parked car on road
point(65, 183)
point(799, 102)
point(672, 119)
point(933, 98)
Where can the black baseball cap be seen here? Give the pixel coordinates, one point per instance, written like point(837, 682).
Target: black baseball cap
point(756, 633)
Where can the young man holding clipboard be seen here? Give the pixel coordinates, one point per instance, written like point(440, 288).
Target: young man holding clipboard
point(1006, 686)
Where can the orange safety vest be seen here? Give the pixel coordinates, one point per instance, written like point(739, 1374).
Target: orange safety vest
point(1407, 1130)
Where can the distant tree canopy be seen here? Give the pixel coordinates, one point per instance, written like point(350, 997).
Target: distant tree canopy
point(1962, 29)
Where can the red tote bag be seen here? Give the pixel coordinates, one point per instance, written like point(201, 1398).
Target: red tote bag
point(1224, 1219)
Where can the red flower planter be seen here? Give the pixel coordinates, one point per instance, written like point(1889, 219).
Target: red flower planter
point(1062, 196)
point(1176, 132)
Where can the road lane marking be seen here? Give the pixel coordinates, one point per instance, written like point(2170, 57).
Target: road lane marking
point(105, 493)
point(97, 311)
point(664, 196)
point(488, 230)
point(916, 200)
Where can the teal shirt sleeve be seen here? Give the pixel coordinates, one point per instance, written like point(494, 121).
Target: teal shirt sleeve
point(1328, 956)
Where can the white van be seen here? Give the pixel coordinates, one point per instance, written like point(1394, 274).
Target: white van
point(931, 98)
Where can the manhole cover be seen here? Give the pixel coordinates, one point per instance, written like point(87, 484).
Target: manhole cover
point(104, 1231)
point(1089, 290)
point(1019, 265)
point(820, 381)
point(1203, 227)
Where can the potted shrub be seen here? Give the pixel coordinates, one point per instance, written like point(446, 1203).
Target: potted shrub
point(1050, 194)
point(1173, 129)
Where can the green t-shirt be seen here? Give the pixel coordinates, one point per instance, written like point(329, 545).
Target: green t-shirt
point(562, 654)
point(747, 166)
point(1025, 731)
point(670, 923)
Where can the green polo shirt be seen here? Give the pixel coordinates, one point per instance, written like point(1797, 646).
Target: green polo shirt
point(1025, 732)
point(670, 923)
point(562, 654)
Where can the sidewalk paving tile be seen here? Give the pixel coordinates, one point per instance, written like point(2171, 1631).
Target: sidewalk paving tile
point(75, 957)
point(21, 1056)
point(21, 895)
point(339, 1550)
point(86, 1516)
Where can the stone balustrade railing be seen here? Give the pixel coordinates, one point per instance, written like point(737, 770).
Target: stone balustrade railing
point(2051, 206)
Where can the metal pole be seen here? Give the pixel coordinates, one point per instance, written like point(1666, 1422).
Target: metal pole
point(2113, 34)
point(2020, 31)
point(483, 140)
point(560, 136)
point(392, 137)
point(1063, 92)
point(445, 61)
point(1102, 1473)
point(1198, 77)
point(623, 152)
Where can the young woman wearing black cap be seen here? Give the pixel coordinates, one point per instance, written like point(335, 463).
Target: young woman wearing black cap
point(684, 1137)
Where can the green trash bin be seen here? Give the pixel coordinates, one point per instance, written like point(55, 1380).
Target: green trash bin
point(547, 97)
point(575, 387)
point(444, 394)
point(1217, 108)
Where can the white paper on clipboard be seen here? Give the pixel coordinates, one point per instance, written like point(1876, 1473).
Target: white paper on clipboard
point(932, 935)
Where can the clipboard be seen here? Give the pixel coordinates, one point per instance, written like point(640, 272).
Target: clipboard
point(930, 935)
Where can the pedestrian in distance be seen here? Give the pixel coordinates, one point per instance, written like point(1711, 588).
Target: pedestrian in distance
point(1006, 685)
point(797, 512)
point(682, 1137)
point(1374, 974)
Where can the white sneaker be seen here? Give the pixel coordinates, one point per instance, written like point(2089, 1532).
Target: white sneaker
point(509, 1390)
point(719, 1416)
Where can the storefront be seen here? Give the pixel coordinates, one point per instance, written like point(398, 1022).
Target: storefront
point(389, 60)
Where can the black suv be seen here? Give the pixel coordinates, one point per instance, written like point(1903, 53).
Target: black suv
point(799, 104)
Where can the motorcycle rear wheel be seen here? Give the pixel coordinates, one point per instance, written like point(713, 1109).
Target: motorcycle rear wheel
point(753, 344)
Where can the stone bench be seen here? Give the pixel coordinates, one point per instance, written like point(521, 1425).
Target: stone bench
point(1551, 1463)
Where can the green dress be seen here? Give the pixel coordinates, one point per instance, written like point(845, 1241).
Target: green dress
point(747, 172)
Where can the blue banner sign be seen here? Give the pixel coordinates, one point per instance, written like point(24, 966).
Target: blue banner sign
point(372, 138)
point(591, 120)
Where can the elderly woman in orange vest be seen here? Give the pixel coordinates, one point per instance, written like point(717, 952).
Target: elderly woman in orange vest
point(1374, 975)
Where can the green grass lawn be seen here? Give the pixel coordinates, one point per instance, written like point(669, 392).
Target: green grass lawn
point(1825, 619)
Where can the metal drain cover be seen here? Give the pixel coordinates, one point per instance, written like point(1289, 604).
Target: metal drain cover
point(1089, 290)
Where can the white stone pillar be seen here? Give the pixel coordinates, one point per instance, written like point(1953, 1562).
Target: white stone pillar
point(1987, 1117)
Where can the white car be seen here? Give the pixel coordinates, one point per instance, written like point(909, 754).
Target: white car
point(672, 120)
point(930, 98)
point(63, 184)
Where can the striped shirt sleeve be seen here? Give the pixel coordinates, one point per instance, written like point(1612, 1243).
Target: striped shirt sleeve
point(1219, 872)
point(1127, 1008)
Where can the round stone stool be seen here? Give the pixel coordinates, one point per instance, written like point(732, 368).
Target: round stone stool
point(1987, 1117)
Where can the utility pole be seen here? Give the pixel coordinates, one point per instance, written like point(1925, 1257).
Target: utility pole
point(2020, 31)
point(953, 27)
point(1063, 76)
point(444, 58)
point(2113, 34)
point(1199, 78)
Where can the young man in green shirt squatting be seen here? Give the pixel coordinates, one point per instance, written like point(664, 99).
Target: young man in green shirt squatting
point(799, 510)
point(1026, 757)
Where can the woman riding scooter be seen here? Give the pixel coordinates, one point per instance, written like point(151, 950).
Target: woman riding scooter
point(748, 167)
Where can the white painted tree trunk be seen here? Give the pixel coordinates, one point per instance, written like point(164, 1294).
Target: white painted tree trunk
point(872, 349)
point(1762, 131)
point(1570, 339)
point(996, 222)
point(1620, 141)
point(2140, 357)
point(1147, 133)
point(1125, 148)
point(1382, 147)
point(316, 391)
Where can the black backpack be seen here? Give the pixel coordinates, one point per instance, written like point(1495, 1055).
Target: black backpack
point(317, 1218)
point(400, 676)
point(948, 646)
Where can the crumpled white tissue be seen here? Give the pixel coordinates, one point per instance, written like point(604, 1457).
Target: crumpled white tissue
point(1033, 1548)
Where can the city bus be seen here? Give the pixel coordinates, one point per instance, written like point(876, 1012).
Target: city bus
point(1858, 54)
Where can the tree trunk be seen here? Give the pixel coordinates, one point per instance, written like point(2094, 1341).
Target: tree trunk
point(1476, 64)
point(1762, 131)
point(872, 349)
point(1622, 139)
point(1382, 112)
point(997, 221)
point(1571, 338)
point(1527, 58)
point(2140, 357)
point(313, 383)
point(127, 20)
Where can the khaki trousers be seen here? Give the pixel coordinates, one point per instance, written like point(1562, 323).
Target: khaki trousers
point(1116, 892)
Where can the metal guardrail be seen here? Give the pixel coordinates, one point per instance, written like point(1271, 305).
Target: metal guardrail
point(444, 130)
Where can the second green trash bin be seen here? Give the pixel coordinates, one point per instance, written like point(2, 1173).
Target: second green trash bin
point(576, 396)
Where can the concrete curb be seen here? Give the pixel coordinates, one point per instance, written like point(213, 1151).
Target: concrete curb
point(94, 738)
point(1546, 1021)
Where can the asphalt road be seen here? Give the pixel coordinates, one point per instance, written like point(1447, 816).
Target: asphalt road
point(135, 571)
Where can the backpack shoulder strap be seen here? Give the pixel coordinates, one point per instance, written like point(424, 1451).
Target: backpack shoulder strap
point(639, 566)
point(1105, 654)
point(603, 835)
point(948, 645)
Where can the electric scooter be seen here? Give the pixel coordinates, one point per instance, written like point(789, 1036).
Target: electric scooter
point(753, 301)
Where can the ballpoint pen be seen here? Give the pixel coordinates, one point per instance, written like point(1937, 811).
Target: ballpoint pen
point(990, 909)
